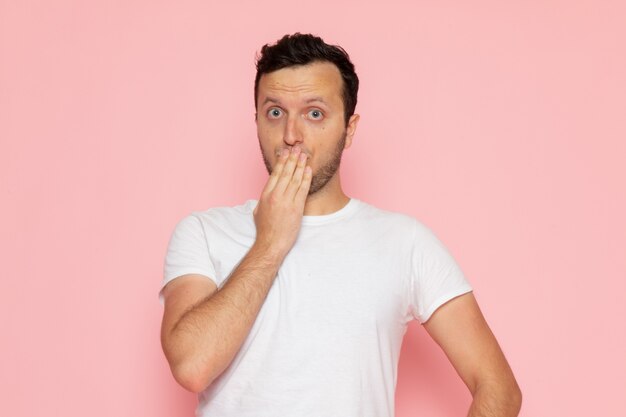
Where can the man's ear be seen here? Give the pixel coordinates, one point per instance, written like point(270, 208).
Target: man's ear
point(351, 129)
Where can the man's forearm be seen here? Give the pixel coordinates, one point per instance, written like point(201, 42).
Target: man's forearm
point(496, 401)
point(206, 338)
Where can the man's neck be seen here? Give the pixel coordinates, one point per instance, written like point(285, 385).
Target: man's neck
point(328, 200)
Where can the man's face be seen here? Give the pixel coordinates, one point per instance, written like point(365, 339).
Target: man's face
point(302, 105)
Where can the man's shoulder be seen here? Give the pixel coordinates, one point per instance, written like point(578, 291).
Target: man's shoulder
point(224, 214)
point(370, 212)
point(397, 223)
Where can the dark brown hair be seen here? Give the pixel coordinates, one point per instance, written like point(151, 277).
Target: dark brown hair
point(303, 49)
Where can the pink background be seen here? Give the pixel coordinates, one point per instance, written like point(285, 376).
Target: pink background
point(500, 125)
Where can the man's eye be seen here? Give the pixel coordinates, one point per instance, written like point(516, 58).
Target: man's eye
point(274, 113)
point(315, 114)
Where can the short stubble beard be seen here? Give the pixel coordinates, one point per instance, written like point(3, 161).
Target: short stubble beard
point(325, 173)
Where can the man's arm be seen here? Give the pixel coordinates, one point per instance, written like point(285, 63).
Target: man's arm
point(460, 329)
point(200, 338)
point(202, 328)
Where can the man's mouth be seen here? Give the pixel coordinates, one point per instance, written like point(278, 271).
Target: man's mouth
point(279, 151)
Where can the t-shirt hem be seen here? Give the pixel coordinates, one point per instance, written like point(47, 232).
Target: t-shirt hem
point(178, 274)
point(423, 318)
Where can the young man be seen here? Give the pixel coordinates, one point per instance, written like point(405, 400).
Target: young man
point(296, 304)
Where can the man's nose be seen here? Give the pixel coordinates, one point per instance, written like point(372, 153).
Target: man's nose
point(293, 131)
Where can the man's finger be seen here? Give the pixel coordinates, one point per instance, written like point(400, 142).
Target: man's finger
point(276, 171)
point(303, 191)
point(287, 173)
point(296, 179)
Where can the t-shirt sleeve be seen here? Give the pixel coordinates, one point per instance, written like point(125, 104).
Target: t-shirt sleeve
point(435, 275)
point(187, 252)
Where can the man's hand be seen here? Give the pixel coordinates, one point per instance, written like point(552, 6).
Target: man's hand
point(203, 328)
point(278, 214)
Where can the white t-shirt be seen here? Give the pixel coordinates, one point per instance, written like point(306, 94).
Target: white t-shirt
point(327, 339)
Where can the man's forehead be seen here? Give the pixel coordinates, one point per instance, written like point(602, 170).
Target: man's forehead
point(316, 81)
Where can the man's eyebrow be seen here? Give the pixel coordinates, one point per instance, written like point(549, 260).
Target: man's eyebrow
point(320, 99)
point(270, 100)
point(310, 100)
